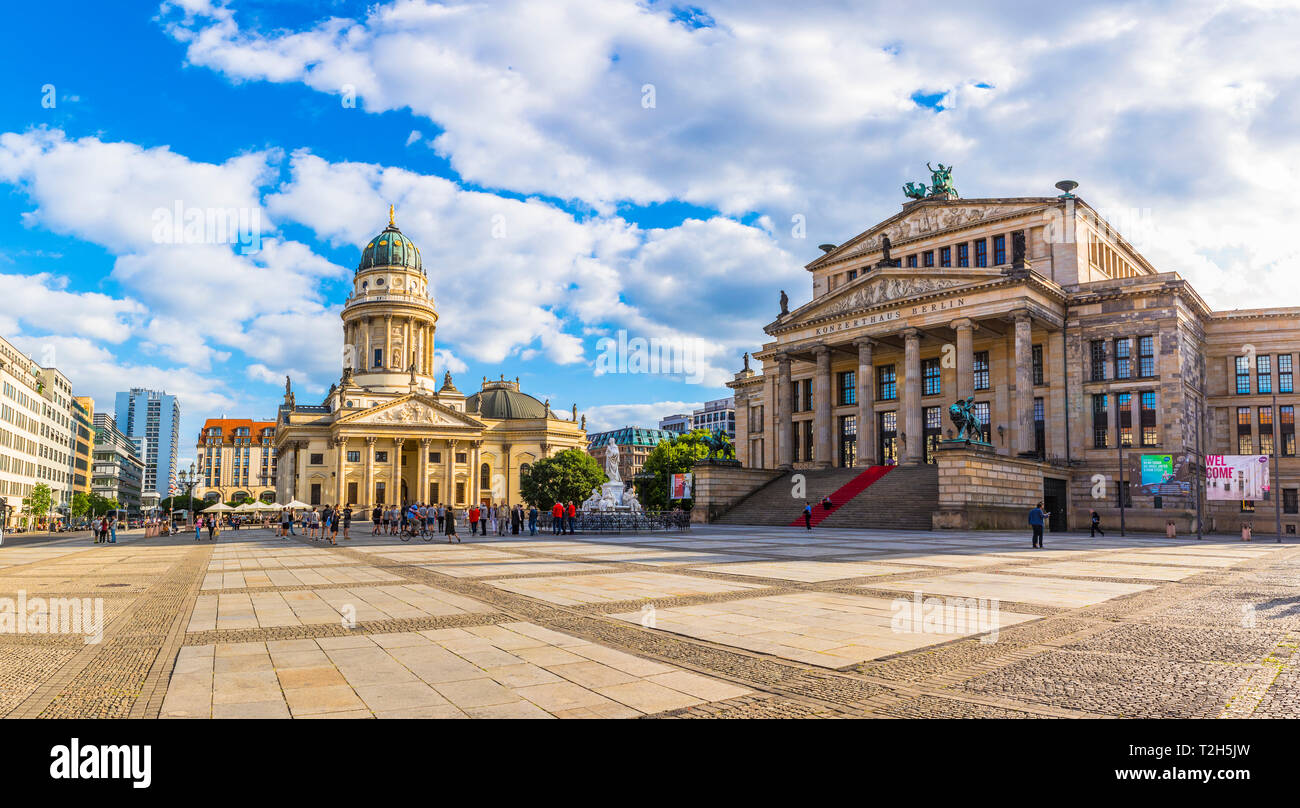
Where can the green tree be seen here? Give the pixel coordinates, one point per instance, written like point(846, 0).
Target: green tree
point(565, 477)
point(37, 504)
point(80, 505)
point(674, 456)
point(180, 502)
point(99, 504)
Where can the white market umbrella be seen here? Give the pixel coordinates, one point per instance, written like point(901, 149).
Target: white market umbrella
point(296, 504)
point(220, 506)
point(246, 507)
point(265, 506)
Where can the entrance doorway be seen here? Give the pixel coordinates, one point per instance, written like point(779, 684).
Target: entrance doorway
point(1054, 502)
point(888, 438)
point(848, 441)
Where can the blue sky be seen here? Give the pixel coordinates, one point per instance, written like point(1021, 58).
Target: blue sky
point(574, 169)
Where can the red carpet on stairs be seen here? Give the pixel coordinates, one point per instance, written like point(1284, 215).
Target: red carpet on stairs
point(845, 493)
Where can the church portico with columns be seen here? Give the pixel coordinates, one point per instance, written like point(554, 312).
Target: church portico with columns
point(386, 434)
point(1072, 350)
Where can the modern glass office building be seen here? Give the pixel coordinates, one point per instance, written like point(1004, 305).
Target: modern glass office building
point(151, 419)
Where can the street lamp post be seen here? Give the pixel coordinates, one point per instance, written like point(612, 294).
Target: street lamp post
point(189, 480)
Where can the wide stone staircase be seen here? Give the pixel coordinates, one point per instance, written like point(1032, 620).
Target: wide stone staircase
point(897, 497)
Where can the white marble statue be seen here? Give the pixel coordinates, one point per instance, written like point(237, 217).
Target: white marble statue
point(630, 501)
point(592, 502)
point(611, 462)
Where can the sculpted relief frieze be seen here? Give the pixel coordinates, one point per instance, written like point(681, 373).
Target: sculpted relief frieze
point(409, 413)
point(926, 220)
point(885, 290)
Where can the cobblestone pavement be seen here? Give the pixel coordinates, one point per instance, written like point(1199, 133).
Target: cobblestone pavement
point(720, 622)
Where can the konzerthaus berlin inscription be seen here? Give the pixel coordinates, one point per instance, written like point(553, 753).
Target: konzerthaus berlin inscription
point(1073, 346)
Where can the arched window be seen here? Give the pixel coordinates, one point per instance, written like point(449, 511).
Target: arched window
point(485, 478)
point(524, 468)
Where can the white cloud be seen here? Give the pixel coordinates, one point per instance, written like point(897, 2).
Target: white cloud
point(612, 416)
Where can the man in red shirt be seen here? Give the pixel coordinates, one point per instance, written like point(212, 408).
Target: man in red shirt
point(557, 518)
point(573, 514)
point(473, 521)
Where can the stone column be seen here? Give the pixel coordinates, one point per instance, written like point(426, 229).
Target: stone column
point(364, 364)
point(784, 424)
point(866, 402)
point(408, 345)
point(914, 449)
point(369, 496)
point(475, 458)
point(395, 496)
point(505, 469)
point(965, 357)
point(823, 445)
point(1024, 384)
point(300, 474)
point(423, 467)
point(449, 465)
point(340, 471)
point(388, 341)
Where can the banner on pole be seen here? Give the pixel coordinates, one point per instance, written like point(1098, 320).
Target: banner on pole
point(1236, 477)
point(679, 486)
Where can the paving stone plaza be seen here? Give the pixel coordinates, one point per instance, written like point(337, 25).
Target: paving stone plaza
point(716, 622)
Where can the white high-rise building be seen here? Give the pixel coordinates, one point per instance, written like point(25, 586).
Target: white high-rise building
point(35, 434)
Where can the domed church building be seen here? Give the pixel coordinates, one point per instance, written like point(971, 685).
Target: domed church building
point(390, 432)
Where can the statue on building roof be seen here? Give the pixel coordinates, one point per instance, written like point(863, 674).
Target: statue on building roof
point(785, 303)
point(941, 180)
point(584, 421)
point(747, 361)
point(575, 412)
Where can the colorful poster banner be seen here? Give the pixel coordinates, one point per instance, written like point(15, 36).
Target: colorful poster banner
point(679, 486)
point(1160, 475)
point(1236, 477)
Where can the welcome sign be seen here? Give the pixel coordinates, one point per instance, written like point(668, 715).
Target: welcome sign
point(1236, 477)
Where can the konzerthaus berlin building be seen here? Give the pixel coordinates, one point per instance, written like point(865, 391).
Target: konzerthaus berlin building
point(386, 433)
point(1073, 348)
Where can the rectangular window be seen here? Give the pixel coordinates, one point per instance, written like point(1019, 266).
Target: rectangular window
point(1124, 411)
point(795, 434)
point(1098, 354)
point(316, 459)
point(807, 395)
point(377, 358)
point(930, 381)
point(1247, 506)
point(848, 383)
point(911, 260)
point(1123, 358)
point(945, 256)
point(756, 419)
point(981, 410)
point(1146, 357)
point(1284, 373)
point(1125, 498)
point(808, 444)
point(853, 273)
point(315, 493)
point(999, 250)
point(461, 456)
point(460, 493)
point(435, 457)
point(353, 457)
point(848, 440)
point(927, 258)
point(1266, 430)
point(381, 457)
point(981, 253)
point(1243, 375)
point(886, 383)
point(963, 254)
point(1264, 373)
point(1040, 427)
point(1038, 364)
point(1286, 429)
point(932, 425)
point(1100, 421)
point(1289, 500)
point(1243, 431)
point(1148, 415)
point(980, 369)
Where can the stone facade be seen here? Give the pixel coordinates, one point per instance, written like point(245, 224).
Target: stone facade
point(982, 490)
point(719, 486)
point(1079, 351)
point(386, 433)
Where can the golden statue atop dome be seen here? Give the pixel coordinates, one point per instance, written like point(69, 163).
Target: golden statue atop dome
point(391, 217)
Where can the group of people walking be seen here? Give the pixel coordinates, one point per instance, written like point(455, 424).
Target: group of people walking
point(318, 523)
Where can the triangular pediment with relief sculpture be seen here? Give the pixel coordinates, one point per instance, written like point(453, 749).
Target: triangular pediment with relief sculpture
point(412, 410)
point(884, 286)
point(928, 218)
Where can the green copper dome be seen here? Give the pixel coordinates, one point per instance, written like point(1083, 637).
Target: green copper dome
point(503, 403)
point(390, 249)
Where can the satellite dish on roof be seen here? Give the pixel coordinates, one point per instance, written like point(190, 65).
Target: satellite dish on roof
point(1066, 186)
